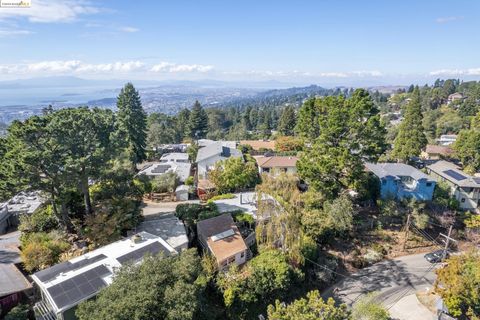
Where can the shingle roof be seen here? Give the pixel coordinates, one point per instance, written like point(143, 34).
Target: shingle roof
point(452, 173)
point(217, 148)
point(442, 150)
point(276, 162)
point(383, 170)
point(224, 247)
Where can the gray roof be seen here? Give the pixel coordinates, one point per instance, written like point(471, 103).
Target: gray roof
point(382, 170)
point(217, 149)
point(209, 227)
point(167, 227)
point(452, 173)
point(11, 279)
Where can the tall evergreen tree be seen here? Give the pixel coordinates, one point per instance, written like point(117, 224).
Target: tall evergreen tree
point(198, 122)
point(411, 137)
point(349, 132)
point(133, 122)
point(307, 123)
point(287, 122)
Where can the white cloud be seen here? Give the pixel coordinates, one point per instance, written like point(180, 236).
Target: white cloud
point(129, 29)
point(10, 33)
point(448, 19)
point(47, 11)
point(456, 72)
point(180, 68)
point(297, 73)
point(77, 67)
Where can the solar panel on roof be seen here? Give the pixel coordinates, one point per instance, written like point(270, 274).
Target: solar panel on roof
point(160, 168)
point(153, 248)
point(455, 175)
point(223, 235)
point(76, 289)
point(54, 271)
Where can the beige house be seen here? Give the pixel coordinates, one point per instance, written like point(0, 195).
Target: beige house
point(454, 97)
point(221, 237)
point(434, 152)
point(463, 187)
point(277, 164)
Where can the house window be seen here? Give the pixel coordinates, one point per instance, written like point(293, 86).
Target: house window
point(242, 255)
point(429, 184)
point(463, 200)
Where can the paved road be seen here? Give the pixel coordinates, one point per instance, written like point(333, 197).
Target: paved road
point(393, 280)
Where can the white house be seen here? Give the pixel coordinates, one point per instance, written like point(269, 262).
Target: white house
point(22, 203)
point(447, 139)
point(65, 285)
point(463, 187)
point(174, 157)
point(180, 168)
point(212, 153)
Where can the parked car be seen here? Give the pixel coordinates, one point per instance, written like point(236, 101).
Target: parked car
point(436, 256)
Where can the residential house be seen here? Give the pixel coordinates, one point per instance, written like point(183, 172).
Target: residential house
point(268, 164)
point(225, 143)
point(454, 97)
point(177, 163)
point(447, 139)
point(220, 237)
point(434, 152)
point(209, 155)
point(13, 284)
point(401, 181)
point(22, 203)
point(65, 285)
point(259, 145)
point(463, 187)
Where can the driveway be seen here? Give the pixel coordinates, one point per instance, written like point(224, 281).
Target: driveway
point(155, 208)
point(395, 281)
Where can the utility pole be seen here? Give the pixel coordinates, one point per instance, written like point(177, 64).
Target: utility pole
point(407, 229)
point(447, 241)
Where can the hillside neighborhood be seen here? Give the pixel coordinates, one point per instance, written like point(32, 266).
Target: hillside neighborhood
point(326, 210)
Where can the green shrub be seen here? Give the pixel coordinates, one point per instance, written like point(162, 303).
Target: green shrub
point(189, 181)
point(165, 183)
point(190, 213)
point(42, 220)
point(240, 216)
point(367, 308)
point(143, 183)
point(222, 197)
point(41, 250)
point(20, 312)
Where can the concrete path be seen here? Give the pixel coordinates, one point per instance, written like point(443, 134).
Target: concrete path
point(409, 308)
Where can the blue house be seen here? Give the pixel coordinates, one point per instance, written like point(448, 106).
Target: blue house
point(401, 181)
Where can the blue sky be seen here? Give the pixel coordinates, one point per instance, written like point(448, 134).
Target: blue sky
point(337, 42)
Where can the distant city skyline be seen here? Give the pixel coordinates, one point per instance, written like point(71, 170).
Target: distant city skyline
point(298, 42)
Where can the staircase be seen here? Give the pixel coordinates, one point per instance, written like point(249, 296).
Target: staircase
point(43, 312)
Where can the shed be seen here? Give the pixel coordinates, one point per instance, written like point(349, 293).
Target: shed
point(181, 193)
